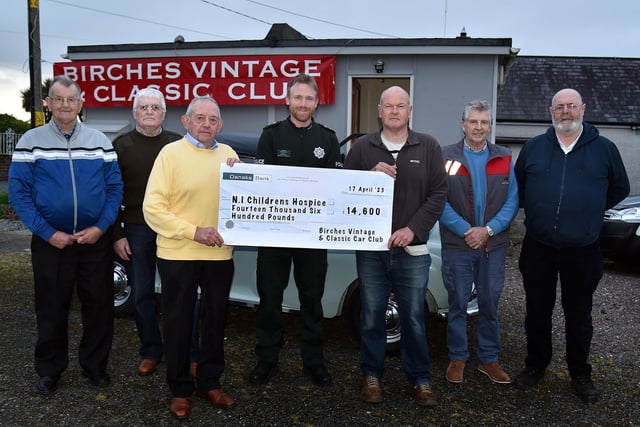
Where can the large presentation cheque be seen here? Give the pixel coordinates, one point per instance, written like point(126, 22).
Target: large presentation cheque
point(286, 206)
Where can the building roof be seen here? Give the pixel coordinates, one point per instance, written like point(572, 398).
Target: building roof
point(282, 35)
point(610, 87)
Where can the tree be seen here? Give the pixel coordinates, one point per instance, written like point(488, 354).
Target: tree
point(26, 99)
point(7, 121)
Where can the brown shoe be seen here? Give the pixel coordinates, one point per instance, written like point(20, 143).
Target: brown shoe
point(180, 407)
point(218, 398)
point(147, 366)
point(495, 373)
point(371, 390)
point(425, 396)
point(193, 369)
point(455, 371)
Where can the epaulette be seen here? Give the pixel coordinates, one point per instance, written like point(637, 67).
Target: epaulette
point(326, 127)
point(272, 125)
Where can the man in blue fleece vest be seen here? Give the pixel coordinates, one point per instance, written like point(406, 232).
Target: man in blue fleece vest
point(482, 200)
point(567, 178)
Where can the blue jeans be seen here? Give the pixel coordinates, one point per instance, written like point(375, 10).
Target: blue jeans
point(381, 273)
point(460, 270)
point(142, 276)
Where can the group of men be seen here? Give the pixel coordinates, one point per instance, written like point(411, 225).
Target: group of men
point(70, 185)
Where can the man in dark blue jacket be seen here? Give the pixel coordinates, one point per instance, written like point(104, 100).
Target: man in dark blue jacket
point(567, 178)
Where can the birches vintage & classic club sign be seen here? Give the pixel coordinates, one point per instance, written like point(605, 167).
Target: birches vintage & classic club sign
point(231, 80)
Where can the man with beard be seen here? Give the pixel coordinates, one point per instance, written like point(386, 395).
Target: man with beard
point(296, 141)
point(567, 178)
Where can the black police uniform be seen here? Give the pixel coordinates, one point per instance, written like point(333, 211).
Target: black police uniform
point(282, 143)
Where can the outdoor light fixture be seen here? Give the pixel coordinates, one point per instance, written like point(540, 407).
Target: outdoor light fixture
point(379, 66)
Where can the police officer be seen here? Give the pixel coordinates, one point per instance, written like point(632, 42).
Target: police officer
point(296, 141)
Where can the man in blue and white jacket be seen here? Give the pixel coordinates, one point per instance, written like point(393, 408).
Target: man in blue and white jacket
point(65, 185)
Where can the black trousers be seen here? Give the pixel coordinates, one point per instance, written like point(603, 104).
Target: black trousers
point(579, 270)
point(309, 271)
point(56, 272)
point(180, 281)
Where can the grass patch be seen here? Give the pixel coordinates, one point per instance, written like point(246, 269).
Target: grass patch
point(6, 211)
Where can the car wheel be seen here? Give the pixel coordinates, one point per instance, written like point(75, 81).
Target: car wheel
point(392, 318)
point(122, 298)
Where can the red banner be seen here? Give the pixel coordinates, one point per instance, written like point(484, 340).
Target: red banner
point(231, 80)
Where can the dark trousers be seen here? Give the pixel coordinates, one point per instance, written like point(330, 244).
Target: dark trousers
point(579, 270)
point(180, 281)
point(56, 272)
point(142, 277)
point(309, 271)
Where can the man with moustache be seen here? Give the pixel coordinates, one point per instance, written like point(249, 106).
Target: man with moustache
point(567, 178)
point(296, 141)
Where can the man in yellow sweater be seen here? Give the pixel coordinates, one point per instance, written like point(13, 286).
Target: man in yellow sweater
point(181, 206)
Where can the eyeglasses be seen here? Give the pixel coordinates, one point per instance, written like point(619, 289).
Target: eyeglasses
point(213, 121)
point(152, 107)
point(569, 107)
point(391, 107)
point(58, 100)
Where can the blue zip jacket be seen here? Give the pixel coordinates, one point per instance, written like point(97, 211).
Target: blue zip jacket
point(60, 185)
point(564, 196)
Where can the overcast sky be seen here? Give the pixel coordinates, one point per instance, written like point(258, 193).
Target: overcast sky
point(539, 27)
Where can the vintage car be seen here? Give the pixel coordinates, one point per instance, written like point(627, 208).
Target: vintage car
point(342, 292)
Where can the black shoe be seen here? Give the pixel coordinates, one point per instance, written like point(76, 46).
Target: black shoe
point(528, 378)
point(319, 375)
point(98, 380)
point(584, 388)
point(260, 374)
point(46, 385)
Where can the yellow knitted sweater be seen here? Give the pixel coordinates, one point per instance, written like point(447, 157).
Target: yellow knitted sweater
point(182, 194)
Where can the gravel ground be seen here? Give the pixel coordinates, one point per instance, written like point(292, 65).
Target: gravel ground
point(291, 399)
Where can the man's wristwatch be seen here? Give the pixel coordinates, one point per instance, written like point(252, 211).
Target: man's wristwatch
point(489, 231)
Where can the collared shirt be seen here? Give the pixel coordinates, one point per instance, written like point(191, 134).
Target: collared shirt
point(66, 135)
point(567, 148)
point(468, 147)
point(199, 144)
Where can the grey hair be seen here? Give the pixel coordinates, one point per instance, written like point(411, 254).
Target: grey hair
point(66, 82)
point(205, 98)
point(151, 93)
point(479, 105)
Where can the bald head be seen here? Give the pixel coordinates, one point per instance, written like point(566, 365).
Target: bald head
point(567, 93)
point(396, 92)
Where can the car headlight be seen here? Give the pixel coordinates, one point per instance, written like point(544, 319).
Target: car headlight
point(627, 215)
